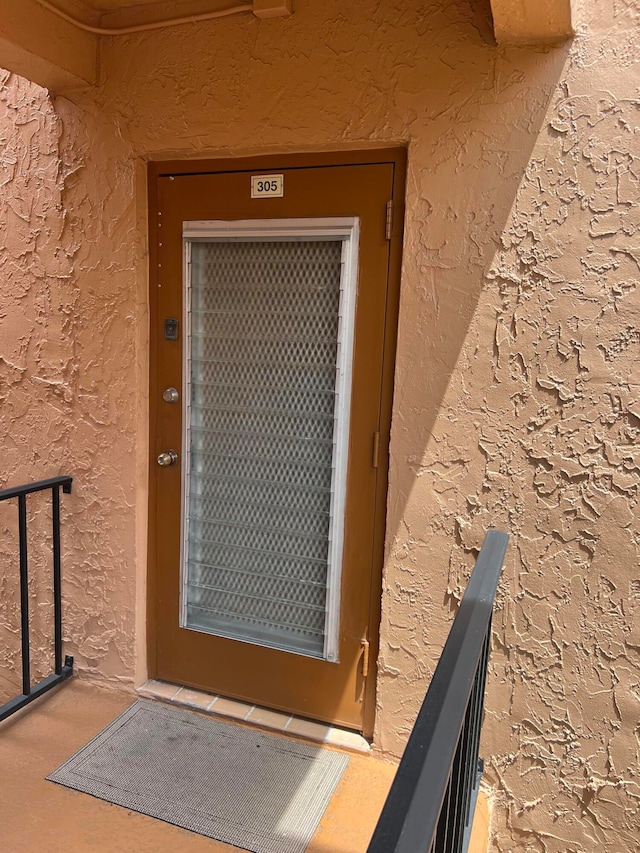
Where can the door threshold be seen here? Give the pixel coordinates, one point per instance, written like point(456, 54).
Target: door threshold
point(276, 721)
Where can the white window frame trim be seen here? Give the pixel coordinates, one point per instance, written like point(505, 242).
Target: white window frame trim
point(347, 230)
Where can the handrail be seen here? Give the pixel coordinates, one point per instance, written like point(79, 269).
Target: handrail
point(61, 671)
point(431, 801)
point(39, 486)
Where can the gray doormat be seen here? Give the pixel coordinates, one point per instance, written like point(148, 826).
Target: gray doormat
point(256, 791)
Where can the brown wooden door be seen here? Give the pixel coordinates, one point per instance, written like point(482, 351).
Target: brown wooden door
point(300, 683)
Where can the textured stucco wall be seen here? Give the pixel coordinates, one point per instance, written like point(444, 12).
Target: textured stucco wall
point(66, 336)
point(554, 456)
point(516, 398)
point(36, 349)
point(37, 294)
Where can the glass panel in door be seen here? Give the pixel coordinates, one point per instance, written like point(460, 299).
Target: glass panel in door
point(265, 407)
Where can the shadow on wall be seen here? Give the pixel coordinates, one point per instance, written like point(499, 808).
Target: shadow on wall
point(528, 414)
point(447, 326)
point(459, 209)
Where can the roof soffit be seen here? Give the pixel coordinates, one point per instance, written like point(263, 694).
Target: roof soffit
point(515, 21)
point(57, 54)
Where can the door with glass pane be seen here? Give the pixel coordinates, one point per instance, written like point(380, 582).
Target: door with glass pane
point(270, 347)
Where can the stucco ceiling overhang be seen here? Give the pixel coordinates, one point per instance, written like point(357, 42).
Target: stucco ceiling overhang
point(59, 54)
point(532, 21)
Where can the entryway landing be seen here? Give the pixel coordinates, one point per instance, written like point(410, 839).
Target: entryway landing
point(254, 715)
point(39, 815)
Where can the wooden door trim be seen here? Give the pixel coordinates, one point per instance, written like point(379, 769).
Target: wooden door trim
point(394, 156)
point(310, 160)
point(386, 406)
point(151, 620)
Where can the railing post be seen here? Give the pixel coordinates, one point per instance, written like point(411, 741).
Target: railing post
point(57, 586)
point(431, 801)
point(24, 594)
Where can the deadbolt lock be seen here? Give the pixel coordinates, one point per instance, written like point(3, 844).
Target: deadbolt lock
point(170, 395)
point(169, 457)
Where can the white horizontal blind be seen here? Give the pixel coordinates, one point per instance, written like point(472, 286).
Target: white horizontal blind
point(264, 418)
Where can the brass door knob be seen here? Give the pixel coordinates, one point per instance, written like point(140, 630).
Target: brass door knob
point(169, 457)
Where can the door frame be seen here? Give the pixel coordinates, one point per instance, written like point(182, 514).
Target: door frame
point(398, 158)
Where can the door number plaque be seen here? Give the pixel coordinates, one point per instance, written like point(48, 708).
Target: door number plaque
point(267, 186)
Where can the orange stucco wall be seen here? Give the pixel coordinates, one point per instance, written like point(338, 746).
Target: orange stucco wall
point(516, 401)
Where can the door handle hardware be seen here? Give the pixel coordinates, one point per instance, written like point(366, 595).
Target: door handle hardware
point(169, 457)
point(388, 230)
point(365, 658)
point(376, 449)
point(170, 395)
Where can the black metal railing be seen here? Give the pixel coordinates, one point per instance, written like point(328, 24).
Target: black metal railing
point(432, 799)
point(62, 670)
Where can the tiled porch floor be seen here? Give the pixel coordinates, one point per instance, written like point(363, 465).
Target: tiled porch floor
point(275, 721)
point(36, 815)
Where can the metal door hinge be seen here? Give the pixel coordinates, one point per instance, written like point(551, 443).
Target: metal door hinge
point(376, 449)
point(389, 221)
point(365, 658)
